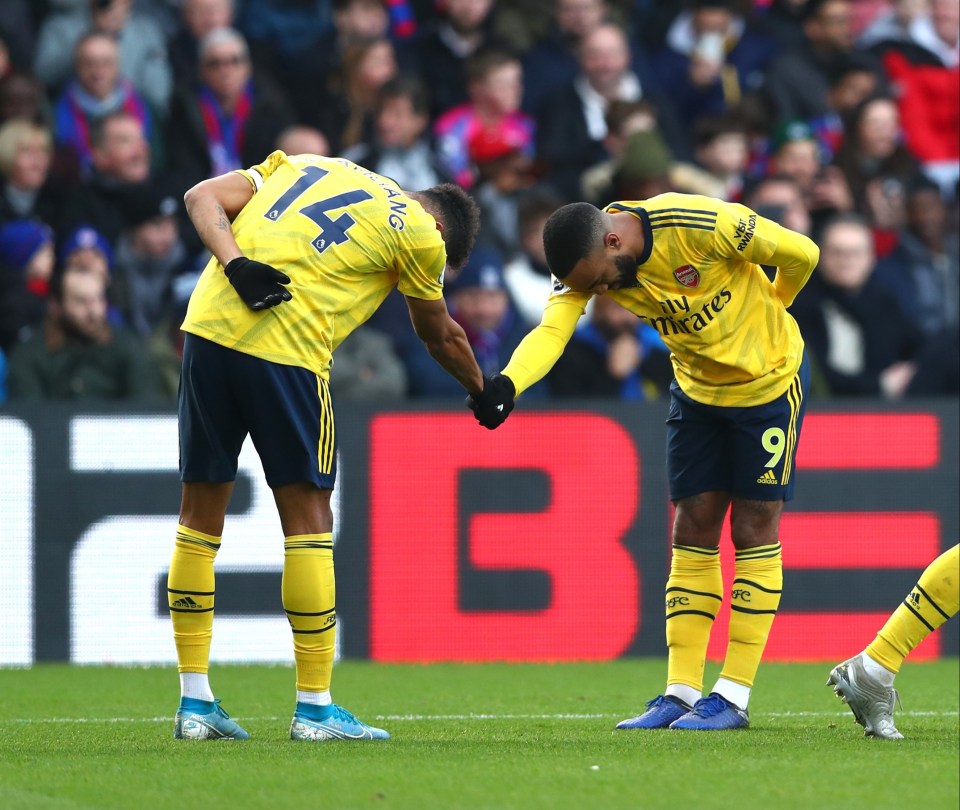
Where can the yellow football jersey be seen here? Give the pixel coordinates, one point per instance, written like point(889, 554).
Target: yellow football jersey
point(343, 234)
point(731, 339)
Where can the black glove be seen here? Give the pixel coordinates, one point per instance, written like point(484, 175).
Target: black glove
point(492, 406)
point(258, 284)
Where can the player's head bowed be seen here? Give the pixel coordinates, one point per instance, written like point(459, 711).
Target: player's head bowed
point(459, 219)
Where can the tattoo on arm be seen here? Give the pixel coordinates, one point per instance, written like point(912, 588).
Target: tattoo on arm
point(222, 222)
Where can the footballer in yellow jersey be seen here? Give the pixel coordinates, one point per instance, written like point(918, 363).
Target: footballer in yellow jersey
point(305, 248)
point(344, 235)
point(691, 266)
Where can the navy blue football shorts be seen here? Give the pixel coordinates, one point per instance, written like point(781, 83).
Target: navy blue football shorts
point(286, 410)
point(746, 451)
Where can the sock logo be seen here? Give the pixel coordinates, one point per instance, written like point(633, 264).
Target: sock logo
point(914, 598)
point(768, 478)
point(673, 601)
point(742, 594)
point(185, 602)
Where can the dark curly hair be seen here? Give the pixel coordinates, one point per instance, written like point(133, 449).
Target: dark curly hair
point(459, 217)
point(570, 234)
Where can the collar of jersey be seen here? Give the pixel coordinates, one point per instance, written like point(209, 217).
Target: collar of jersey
point(644, 218)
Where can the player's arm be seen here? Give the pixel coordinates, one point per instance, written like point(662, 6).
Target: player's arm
point(794, 255)
point(446, 341)
point(212, 205)
point(542, 347)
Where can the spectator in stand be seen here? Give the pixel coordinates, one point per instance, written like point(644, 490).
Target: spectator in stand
point(505, 175)
point(197, 19)
point(795, 153)
point(368, 368)
point(26, 265)
point(712, 58)
point(623, 119)
point(230, 119)
point(873, 149)
point(798, 81)
point(141, 50)
point(26, 151)
point(925, 69)
point(938, 31)
point(779, 198)
point(572, 126)
point(852, 83)
point(22, 96)
point(89, 250)
point(861, 340)
point(893, 24)
point(17, 33)
point(721, 149)
point(924, 268)
point(443, 48)
point(348, 113)
point(612, 354)
point(527, 274)
point(400, 147)
point(552, 63)
point(149, 258)
point(302, 140)
point(120, 168)
point(308, 75)
point(97, 91)
point(78, 355)
point(646, 169)
point(478, 300)
point(495, 86)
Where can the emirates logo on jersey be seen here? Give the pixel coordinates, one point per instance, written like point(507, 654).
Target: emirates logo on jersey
point(687, 276)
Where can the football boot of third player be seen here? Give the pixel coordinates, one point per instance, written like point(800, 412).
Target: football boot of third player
point(870, 701)
point(713, 713)
point(205, 720)
point(318, 723)
point(660, 713)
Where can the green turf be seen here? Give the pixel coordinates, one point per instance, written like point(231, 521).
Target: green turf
point(803, 750)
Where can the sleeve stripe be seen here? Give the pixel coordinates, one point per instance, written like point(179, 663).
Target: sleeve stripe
point(256, 177)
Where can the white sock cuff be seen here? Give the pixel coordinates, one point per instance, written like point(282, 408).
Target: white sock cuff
point(736, 693)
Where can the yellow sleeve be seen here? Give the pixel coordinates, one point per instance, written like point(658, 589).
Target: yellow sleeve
point(542, 347)
point(257, 174)
point(742, 234)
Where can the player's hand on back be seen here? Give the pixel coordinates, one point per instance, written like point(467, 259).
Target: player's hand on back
point(492, 406)
point(258, 284)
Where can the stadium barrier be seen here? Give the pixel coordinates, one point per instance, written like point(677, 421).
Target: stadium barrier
point(546, 540)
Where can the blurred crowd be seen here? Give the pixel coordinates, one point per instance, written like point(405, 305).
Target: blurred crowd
point(836, 118)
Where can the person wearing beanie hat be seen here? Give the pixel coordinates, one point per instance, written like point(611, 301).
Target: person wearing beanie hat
point(87, 240)
point(78, 355)
point(26, 265)
point(644, 169)
point(149, 260)
point(21, 240)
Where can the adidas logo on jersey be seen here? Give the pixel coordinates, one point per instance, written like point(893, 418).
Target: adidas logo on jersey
point(768, 478)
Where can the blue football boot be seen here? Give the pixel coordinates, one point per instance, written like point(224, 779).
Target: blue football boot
point(331, 722)
point(205, 720)
point(660, 713)
point(713, 713)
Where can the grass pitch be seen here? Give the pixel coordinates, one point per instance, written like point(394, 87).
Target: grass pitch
point(493, 736)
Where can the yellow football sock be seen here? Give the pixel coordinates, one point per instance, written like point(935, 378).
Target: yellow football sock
point(934, 599)
point(754, 599)
point(309, 598)
point(693, 597)
point(190, 592)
